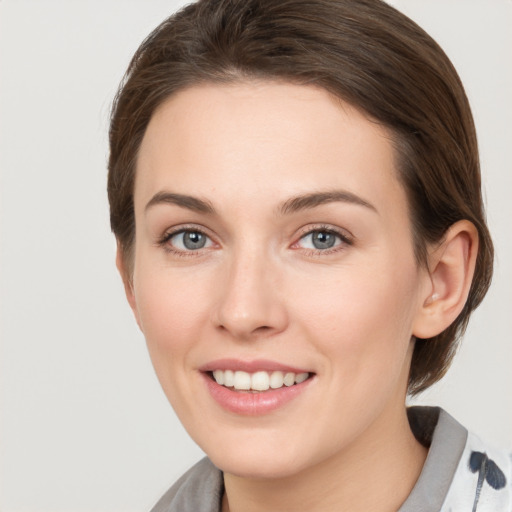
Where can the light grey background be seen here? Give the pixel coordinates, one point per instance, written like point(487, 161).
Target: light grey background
point(84, 425)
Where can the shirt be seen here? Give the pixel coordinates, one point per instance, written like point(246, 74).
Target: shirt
point(461, 473)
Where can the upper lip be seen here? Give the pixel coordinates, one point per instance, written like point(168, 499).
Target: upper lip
point(250, 366)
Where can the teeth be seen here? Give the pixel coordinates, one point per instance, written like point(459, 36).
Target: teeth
point(301, 377)
point(276, 380)
point(242, 381)
point(289, 379)
point(229, 378)
point(259, 381)
point(218, 375)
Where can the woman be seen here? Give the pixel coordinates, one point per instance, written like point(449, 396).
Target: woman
point(295, 192)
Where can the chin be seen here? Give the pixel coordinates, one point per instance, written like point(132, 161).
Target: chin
point(274, 466)
point(259, 456)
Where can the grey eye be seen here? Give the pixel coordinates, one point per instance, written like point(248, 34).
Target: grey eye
point(190, 240)
point(323, 240)
point(194, 240)
point(320, 240)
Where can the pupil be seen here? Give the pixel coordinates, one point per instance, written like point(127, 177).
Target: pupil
point(194, 240)
point(323, 240)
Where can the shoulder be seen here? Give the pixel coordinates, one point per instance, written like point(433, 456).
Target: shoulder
point(483, 479)
point(200, 489)
point(461, 471)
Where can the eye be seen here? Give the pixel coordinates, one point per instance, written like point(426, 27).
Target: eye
point(188, 240)
point(322, 240)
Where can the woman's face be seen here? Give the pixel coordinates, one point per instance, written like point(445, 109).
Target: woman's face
point(273, 238)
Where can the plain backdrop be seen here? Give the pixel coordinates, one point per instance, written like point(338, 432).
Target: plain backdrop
point(84, 424)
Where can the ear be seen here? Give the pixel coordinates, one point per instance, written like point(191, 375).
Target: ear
point(127, 282)
point(451, 268)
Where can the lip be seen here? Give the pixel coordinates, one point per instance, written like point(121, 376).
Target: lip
point(250, 366)
point(252, 403)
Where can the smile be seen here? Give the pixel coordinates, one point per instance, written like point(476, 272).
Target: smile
point(254, 388)
point(257, 381)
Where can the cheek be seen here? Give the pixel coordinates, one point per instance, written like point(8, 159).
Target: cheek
point(173, 312)
point(362, 320)
point(172, 308)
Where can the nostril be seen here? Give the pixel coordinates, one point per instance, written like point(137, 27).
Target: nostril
point(263, 328)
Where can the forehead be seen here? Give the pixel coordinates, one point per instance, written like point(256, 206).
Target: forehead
point(266, 138)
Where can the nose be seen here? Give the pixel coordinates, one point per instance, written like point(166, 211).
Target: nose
point(250, 304)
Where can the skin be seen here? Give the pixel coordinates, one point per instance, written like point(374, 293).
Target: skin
point(259, 289)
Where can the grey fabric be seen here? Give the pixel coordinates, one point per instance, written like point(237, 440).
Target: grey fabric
point(202, 487)
point(447, 439)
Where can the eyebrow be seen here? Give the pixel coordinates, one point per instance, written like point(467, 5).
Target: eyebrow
point(306, 201)
point(294, 204)
point(189, 202)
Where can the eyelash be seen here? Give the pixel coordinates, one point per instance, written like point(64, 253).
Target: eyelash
point(344, 238)
point(164, 241)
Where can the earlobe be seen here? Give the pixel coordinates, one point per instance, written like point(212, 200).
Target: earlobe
point(127, 282)
point(451, 269)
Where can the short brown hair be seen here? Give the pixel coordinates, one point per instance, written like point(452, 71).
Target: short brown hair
point(364, 52)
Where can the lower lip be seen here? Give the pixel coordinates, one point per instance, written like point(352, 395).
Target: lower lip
point(253, 404)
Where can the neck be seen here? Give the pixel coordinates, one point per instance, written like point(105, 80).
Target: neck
point(377, 472)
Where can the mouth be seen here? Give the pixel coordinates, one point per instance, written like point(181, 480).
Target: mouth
point(255, 388)
point(257, 382)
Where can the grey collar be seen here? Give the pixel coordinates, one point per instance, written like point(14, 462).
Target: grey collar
point(446, 438)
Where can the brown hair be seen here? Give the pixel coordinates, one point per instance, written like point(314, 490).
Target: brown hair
point(364, 52)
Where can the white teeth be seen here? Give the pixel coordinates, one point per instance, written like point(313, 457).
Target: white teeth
point(242, 381)
point(301, 377)
point(229, 378)
point(258, 381)
point(289, 379)
point(276, 380)
point(218, 375)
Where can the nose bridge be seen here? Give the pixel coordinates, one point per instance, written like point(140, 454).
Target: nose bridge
point(249, 301)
